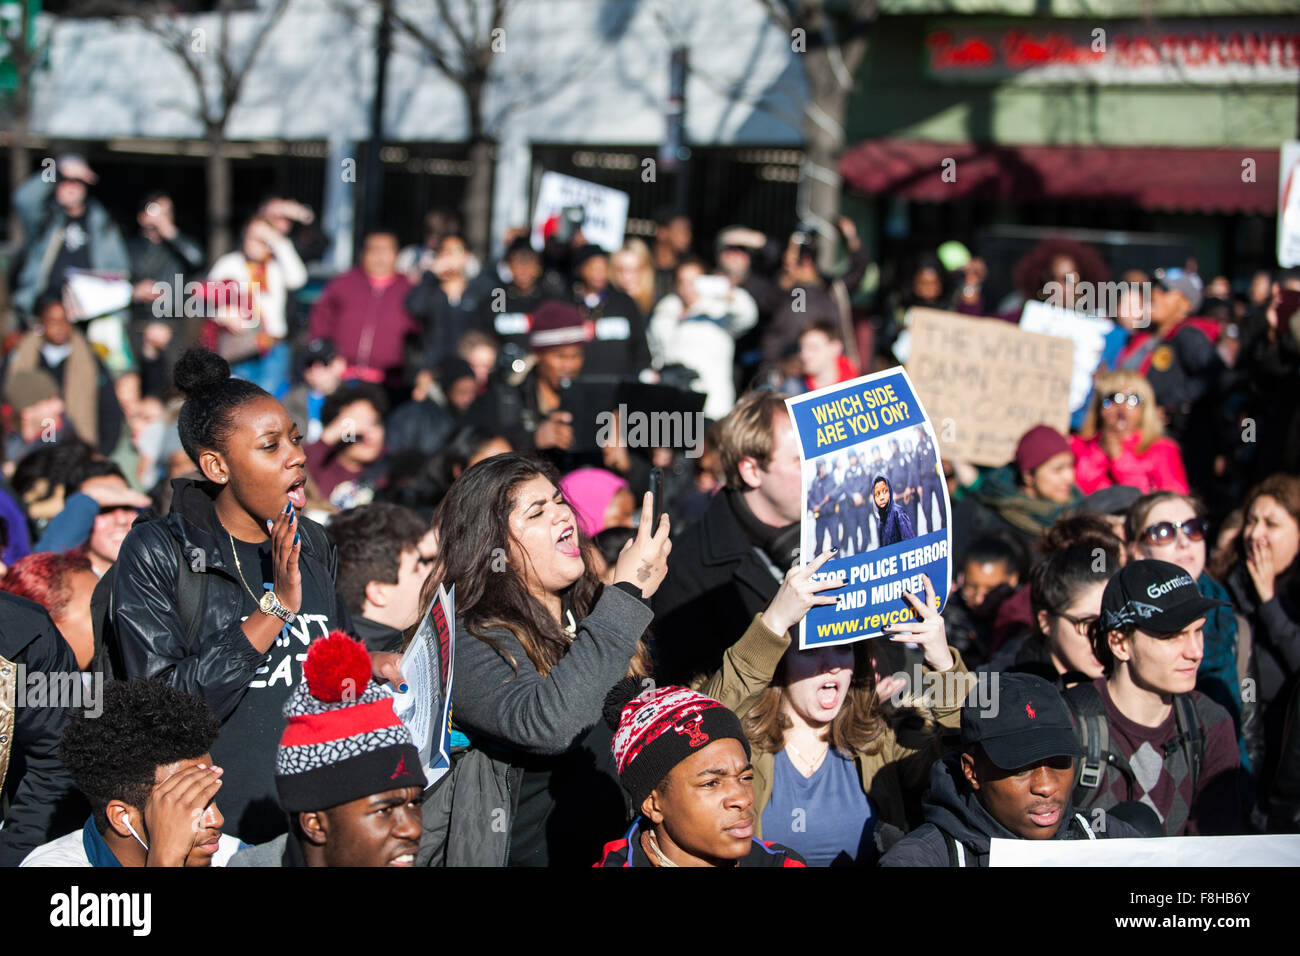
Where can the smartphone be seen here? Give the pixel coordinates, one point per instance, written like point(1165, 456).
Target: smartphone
point(656, 497)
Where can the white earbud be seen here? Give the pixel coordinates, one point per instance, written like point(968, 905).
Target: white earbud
point(126, 820)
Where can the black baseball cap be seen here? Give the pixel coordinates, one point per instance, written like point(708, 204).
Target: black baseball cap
point(1030, 723)
point(1159, 597)
point(317, 352)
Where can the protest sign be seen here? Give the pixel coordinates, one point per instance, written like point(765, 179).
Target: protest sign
point(872, 488)
point(1088, 333)
point(427, 667)
point(986, 382)
point(604, 209)
point(1254, 850)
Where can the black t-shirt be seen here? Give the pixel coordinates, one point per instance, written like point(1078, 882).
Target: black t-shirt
point(246, 747)
point(75, 251)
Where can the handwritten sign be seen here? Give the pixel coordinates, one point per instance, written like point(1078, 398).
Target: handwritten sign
point(986, 382)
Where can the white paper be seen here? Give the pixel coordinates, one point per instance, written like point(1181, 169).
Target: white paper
point(96, 294)
point(1258, 850)
point(1087, 332)
point(605, 209)
point(425, 708)
point(1288, 206)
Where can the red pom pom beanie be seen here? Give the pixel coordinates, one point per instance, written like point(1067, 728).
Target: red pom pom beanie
point(343, 741)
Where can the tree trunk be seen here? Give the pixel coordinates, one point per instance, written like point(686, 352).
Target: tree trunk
point(478, 198)
point(19, 166)
point(218, 174)
point(823, 131)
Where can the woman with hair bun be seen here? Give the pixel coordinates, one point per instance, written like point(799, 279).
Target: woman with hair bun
point(221, 596)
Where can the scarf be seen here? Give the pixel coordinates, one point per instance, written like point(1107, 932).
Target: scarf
point(1000, 492)
point(80, 387)
point(779, 544)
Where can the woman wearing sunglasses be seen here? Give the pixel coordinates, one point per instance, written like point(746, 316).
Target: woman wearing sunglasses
point(1122, 440)
point(1171, 527)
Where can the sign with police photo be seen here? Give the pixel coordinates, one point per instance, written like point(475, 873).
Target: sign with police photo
point(604, 210)
point(873, 488)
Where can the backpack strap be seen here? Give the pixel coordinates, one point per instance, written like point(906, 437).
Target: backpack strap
point(1191, 736)
point(1083, 822)
point(191, 593)
point(1084, 700)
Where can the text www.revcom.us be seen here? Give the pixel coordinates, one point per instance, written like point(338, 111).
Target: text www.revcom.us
point(872, 622)
point(1203, 923)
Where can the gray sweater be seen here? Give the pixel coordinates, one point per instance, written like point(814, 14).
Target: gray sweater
point(545, 715)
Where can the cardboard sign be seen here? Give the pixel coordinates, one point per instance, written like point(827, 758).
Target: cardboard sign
point(986, 382)
point(873, 488)
point(604, 209)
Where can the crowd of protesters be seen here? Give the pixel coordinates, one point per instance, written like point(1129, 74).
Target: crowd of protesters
point(225, 506)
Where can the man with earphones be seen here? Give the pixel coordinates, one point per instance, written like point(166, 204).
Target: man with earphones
point(144, 766)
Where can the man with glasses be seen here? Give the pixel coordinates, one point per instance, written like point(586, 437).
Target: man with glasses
point(1148, 735)
point(385, 553)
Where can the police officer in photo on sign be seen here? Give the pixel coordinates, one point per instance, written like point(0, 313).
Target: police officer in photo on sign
point(820, 491)
point(926, 459)
point(903, 478)
point(855, 505)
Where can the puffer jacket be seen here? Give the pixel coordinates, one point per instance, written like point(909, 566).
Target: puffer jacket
point(894, 777)
point(150, 636)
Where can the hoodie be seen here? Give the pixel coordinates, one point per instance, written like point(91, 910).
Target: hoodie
point(892, 523)
point(954, 812)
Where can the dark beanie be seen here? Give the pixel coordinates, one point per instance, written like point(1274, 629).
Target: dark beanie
point(1038, 445)
point(657, 729)
point(557, 323)
point(343, 740)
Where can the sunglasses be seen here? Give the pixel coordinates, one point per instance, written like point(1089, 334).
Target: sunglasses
point(1122, 398)
point(1165, 531)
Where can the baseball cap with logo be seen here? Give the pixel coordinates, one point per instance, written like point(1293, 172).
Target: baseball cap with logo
point(1158, 597)
point(1030, 724)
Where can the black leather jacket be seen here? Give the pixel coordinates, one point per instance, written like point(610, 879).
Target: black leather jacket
point(220, 662)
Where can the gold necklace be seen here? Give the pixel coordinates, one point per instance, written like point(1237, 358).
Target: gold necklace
point(235, 551)
point(812, 767)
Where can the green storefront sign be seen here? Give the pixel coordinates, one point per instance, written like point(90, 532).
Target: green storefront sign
point(11, 24)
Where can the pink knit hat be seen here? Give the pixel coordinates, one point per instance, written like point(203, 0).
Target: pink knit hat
point(589, 491)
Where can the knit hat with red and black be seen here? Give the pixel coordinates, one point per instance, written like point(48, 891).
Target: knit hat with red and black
point(343, 740)
point(656, 728)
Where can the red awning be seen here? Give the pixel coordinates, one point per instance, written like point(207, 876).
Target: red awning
point(1149, 177)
